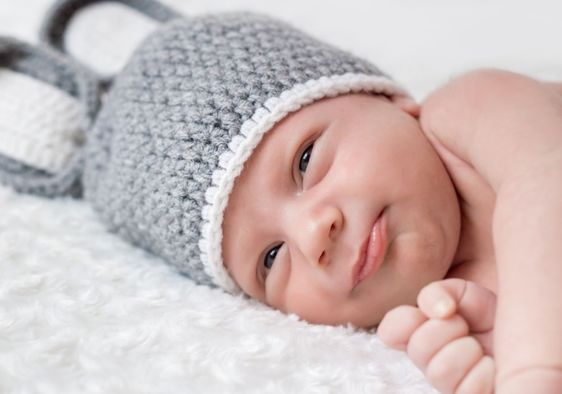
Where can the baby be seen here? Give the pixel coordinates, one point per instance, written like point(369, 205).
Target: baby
point(351, 207)
point(255, 158)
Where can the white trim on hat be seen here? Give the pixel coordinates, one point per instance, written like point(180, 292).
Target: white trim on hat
point(232, 161)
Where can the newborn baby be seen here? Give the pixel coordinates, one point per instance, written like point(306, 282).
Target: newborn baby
point(255, 158)
point(351, 206)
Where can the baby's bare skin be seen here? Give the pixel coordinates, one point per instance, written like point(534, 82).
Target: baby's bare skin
point(475, 122)
point(499, 136)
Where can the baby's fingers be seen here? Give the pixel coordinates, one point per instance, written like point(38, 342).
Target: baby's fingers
point(398, 325)
point(448, 368)
point(439, 299)
point(480, 379)
point(432, 336)
point(476, 304)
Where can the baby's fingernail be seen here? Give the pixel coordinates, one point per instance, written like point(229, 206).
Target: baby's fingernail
point(444, 307)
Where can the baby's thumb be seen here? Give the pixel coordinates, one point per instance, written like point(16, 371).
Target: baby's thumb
point(476, 304)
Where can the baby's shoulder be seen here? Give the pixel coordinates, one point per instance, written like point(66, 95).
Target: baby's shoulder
point(487, 118)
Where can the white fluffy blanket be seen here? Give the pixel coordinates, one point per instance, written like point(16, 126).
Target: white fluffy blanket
point(83, 312)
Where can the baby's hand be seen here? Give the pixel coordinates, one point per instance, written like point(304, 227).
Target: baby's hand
point(448, 336)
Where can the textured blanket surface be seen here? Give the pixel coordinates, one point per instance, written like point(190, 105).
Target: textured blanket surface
point(81, 311)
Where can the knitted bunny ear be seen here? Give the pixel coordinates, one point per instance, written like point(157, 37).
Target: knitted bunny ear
point(47, 102)
point(54, 30)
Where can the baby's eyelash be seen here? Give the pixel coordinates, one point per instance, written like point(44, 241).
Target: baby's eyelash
point(269, 253)
point(305, 158)
point(270, 256)
point(302, 159)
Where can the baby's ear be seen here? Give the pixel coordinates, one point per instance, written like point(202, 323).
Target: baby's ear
point(408, 105)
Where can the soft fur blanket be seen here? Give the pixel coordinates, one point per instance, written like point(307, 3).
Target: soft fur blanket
point(83, 312)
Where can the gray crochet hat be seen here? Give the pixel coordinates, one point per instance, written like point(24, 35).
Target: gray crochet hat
point(185, 114)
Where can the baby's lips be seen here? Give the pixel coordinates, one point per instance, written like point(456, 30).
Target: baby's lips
point(371, 252)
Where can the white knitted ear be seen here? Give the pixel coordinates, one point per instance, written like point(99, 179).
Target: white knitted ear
point(103, 36)
point(252, 131)
point(39, 124)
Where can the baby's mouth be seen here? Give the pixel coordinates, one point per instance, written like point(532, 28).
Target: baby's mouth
point(371, 253)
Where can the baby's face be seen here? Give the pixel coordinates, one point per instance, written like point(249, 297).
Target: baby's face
point(343, 211)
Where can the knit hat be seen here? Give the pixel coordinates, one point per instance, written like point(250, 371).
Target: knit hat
point(185, 114)
point(47, 102)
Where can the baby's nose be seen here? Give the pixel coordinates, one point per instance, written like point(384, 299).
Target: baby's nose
point(315, 230)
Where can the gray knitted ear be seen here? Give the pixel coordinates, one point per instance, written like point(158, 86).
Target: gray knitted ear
point(52, 68)
point(58, 16)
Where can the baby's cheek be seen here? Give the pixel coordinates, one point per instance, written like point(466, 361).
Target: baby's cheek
point(313, 304)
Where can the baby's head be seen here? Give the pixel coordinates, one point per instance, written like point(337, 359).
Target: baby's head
point(343, 211)
point(253, 157)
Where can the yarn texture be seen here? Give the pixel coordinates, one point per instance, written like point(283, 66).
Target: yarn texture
point(49, 133)
point(58, 76)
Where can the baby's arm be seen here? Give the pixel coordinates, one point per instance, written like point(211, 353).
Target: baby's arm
point(508, 128)
point(448, 337)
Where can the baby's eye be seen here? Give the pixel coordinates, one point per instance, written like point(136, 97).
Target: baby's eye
point(270, 256)
point(305, 158)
